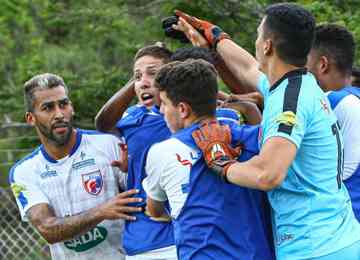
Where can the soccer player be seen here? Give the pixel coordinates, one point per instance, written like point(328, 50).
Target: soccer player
point(141, 126)
point(67, 188)
point(212, 219)
point(300, 161)
point(331, 61)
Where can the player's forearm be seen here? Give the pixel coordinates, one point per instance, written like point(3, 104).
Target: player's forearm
point(114, 108)
point(241, 63)
point(230, 80)
point(252, 174)
point(55, 230)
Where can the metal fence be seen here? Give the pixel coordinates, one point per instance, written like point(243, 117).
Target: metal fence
point(18, 240)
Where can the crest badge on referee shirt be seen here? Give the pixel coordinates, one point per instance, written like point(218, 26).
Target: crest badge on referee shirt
point(93, 182)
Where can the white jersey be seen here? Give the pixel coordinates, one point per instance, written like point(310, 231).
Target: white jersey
point(166, 177)
point(71, 185)
point(347, 112)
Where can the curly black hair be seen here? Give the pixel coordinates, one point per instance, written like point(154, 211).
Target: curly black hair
point(193, 82)
point(337, 43)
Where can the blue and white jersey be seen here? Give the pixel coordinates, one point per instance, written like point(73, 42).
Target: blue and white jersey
point(141, 128)
point(346, 106)
point(212, 219)
point(312, 214)
point(78, 182)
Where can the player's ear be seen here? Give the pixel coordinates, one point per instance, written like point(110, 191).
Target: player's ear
point(324, 64)
point(268, 47)
point(30, 119)
point(184, 110)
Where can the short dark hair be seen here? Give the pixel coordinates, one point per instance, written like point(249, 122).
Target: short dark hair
point(292, 30)
point(193, 82)
point(40, 82)
point(337, 43)
point(157, 50)
point(356, 76)
point(185, 53)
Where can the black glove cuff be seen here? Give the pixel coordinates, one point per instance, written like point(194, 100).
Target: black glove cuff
point(220, 166)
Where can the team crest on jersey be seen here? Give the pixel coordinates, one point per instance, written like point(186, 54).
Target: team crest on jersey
point(93, 182)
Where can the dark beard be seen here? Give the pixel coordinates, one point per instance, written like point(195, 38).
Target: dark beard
point(58, 140)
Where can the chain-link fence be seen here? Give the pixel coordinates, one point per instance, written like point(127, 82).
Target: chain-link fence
point(18, 240)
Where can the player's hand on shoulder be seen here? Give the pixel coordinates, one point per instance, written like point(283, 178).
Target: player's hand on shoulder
point(214, 140)
point(117, 207)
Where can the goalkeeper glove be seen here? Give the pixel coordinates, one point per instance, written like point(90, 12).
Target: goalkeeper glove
point(214, 141)
point(213, 34)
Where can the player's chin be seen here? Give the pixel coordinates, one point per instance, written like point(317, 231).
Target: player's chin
point(148, 102)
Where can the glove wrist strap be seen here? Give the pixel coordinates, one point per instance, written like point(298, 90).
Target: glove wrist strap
point(220, 38)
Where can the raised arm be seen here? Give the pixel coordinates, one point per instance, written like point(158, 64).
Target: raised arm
point(114, 108)
point(238, 61)
point(55, 229)
point(241, 63)
point(230, 79)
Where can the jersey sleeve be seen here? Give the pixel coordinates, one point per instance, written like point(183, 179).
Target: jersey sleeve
point(154, 170)
point(288, 115)
point(26, 190)
point(168, 168)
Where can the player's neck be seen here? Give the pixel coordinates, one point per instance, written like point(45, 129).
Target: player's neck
point(277, 69)
point(197, 119)
point(56, 151)
point(336, 81)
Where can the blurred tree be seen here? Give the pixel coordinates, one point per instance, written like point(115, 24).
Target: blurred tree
point(91, 42)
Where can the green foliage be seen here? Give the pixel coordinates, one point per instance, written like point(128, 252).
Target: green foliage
point(91, 42)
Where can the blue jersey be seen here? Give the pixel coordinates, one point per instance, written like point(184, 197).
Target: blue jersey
point(312, 213)
point(353, 182)
point(220, 220)
point(141, 128)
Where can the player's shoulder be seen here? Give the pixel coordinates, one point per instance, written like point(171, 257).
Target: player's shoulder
point(96, 136)
point(24, 167)
point(168, 147)
point(302, 92)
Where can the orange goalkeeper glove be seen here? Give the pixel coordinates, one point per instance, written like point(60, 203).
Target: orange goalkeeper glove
point(214, 141)
point(212, 33)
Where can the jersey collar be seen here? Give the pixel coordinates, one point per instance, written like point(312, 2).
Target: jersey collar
point(73, 150)
point(292, 73)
